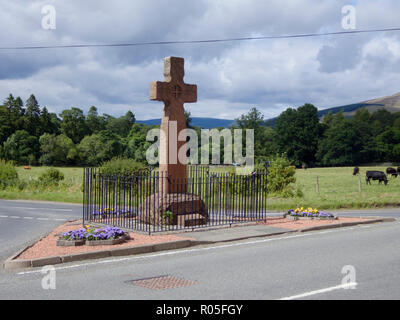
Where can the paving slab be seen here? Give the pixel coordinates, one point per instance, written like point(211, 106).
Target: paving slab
point(234, 233)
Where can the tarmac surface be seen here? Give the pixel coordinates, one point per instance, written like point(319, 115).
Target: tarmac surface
point(311, 265)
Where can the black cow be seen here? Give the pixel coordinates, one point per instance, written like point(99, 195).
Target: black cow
point(392, 171)
point(398, 170)
point(356, 171)
point(376, 175)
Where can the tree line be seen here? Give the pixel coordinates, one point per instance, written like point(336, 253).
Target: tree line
point(31, 135)
point(334, 140)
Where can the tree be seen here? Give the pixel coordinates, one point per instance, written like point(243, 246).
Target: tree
point(327, 119)
point(55, 123)
point(341, 144)
point(115, 143)
point(130, 117)
point(381, 120)
point(387, 145)
point(97, 148)
point(122, 125)
point(16, 112)
point(94, 122)
point(57, 150)
point(361, 122)
point(267, 145)
point(6, 128)
point(362, 116)
point(49, 123)
point(11, 117)
point(396, 124)
point(32, 116)
point(73, 124)
point(136, 144)
point(297, 134)
point(254, 120)
point(21, 147)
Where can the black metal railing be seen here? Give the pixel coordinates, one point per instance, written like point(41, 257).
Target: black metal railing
point(204, 198)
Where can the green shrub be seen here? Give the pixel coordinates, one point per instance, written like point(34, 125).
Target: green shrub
point(281, 177)
point(51, 176)
point(21, 185)
point(167, 218)
point(122, 167)
point(8, 174)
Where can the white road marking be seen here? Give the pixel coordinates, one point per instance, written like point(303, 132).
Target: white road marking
point(34, 218)
point(51, 209)
point(312, 293)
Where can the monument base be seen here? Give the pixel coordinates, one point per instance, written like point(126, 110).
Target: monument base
point(181, 209)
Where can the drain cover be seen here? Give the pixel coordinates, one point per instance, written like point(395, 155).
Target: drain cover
point(162, 282)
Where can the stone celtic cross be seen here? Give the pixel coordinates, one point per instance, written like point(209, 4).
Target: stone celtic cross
point(174, 93)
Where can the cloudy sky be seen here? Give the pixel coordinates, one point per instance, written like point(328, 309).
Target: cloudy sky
point(232, 77)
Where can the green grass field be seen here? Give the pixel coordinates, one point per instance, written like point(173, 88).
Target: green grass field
point(69, 190)
point(338, 188)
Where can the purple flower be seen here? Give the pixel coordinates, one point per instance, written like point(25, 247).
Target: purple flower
point(325, 214)
point(105, 233)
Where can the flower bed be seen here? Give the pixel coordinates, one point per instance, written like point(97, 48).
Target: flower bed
point(70, 243)
point(91, 236)
point(309, 213)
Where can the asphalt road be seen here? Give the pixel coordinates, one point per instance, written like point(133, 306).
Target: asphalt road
point(301, 266)
point(23, 221)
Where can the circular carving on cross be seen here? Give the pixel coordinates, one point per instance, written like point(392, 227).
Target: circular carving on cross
point(176, 91)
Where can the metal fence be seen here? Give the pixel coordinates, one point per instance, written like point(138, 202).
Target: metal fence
point(202, 199)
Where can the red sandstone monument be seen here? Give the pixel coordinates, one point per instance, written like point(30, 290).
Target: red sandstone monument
point(174, 93)
point(188, 209)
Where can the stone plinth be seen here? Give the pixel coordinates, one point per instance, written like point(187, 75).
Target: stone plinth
point(188, 209)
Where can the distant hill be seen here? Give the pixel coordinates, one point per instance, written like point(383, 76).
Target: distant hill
point(390, 103)
point(204, 123)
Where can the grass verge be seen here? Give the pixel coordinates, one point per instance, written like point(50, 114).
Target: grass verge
point(337, 188)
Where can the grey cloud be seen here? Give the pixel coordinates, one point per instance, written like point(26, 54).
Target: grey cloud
point(341, 55)
point(231, 77)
